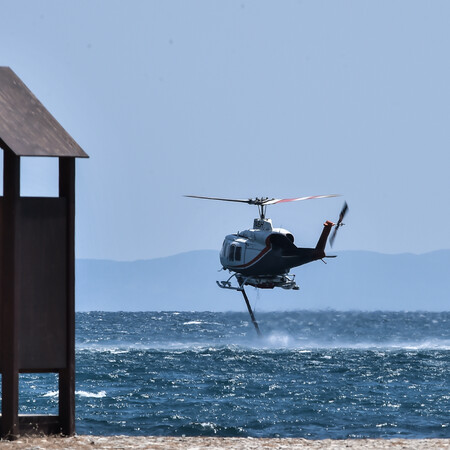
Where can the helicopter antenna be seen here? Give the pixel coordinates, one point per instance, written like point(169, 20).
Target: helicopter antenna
point(263, 202)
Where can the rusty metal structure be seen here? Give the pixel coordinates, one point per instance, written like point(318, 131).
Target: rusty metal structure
point(37, 262)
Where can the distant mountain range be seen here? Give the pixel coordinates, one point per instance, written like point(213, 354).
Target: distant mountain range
point(355, 280)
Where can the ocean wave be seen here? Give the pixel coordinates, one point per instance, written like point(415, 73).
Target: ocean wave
point(100, 394)
point(271, 342)
point(208, 428)
point(86, 394)
point(311, 375)
point(51, 394)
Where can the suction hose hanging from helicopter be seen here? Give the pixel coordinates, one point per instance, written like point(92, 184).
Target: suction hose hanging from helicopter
point(252, 316)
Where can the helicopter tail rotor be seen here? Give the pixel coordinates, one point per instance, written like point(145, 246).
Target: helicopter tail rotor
point(344, 211)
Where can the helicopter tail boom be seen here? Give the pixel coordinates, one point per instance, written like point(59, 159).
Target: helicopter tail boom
point(322, 242)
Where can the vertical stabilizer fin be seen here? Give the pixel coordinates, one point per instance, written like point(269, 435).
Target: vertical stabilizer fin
point(322, 242)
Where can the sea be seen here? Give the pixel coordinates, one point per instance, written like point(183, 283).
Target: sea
point(314, 375)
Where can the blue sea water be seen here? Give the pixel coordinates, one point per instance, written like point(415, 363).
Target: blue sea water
point(313, 375)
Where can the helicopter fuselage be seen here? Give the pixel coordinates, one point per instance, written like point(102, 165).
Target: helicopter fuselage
point(262, 256)
point(264, 251)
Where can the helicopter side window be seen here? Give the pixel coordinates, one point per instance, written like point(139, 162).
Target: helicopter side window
point(237, 253)
point(231, 253)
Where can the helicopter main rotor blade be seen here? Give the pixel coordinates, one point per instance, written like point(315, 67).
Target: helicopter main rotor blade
point(221, 199)
point(274, 201)
point(339, 222)
point(264, 201)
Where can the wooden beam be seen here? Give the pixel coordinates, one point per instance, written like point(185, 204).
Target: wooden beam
point(10, 296)
point(67, 375)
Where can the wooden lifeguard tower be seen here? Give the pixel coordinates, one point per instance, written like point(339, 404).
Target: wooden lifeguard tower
point(37, 262)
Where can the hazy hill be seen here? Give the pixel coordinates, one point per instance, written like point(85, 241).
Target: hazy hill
point(354, 280)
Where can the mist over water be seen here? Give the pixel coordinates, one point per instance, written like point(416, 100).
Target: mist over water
point(281, 330)
point(312, 374)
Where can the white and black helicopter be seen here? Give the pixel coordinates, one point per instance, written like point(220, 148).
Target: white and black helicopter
point(263, 255)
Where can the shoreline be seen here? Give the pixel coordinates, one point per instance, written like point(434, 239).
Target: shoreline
point(178, 443)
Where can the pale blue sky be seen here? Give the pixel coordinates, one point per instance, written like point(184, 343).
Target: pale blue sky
point(241, 99)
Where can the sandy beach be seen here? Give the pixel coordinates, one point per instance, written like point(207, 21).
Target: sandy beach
point(149, 442)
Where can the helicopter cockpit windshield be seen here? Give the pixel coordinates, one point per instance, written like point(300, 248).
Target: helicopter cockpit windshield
point(235, 253)
point(232, 250)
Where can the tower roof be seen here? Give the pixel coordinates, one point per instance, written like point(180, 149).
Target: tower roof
point(26, 126)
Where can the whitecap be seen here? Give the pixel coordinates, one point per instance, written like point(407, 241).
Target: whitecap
point(51, 394)
point(100, 394)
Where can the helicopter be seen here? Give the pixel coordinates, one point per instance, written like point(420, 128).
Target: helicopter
point(263, 255)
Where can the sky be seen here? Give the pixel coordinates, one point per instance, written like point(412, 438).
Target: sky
point(242, 99)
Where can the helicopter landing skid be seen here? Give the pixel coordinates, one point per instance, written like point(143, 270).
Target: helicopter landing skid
point(227, 284)
point(286, 281)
